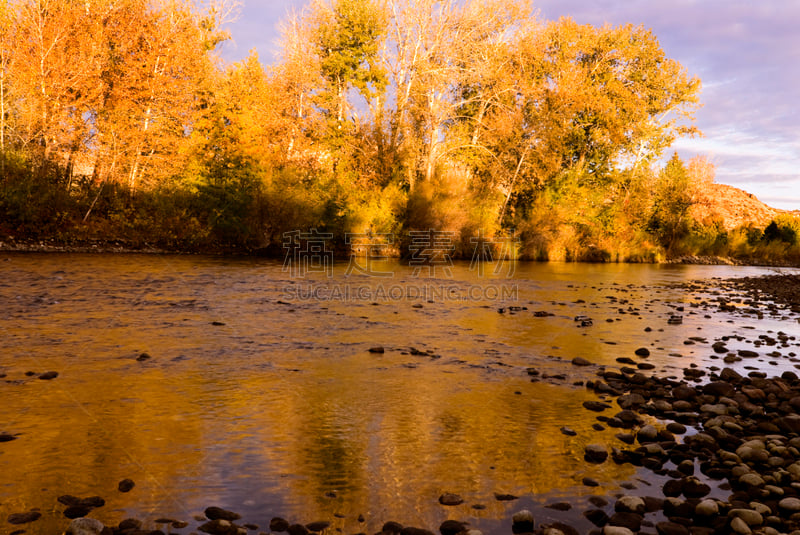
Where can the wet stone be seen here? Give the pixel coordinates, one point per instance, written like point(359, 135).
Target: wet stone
point(596, 406)
point(451, 527)
point(316, 527)
point(77, 511)
point(632, 521)
point(595, 453)
point(278, 524)
point(24, 518)
point(598, 517)
point(504, 497)
point(450, 499)
point(297, 529)
point(126, 485)
point(47, 376)
point(218, 513)
point(522, 522)
point(130, 523)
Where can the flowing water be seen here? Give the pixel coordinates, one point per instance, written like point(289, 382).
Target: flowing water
point(261, 395)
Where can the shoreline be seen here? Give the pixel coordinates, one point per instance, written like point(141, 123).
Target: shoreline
point(119, 248)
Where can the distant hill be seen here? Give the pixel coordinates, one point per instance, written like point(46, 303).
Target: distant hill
point(733, 206)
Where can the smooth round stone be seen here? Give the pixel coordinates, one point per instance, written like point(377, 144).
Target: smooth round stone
point(752, 479)
point(739, 526)
point(630, 504)
point(707, 508)
point(750, 517)
point(790, 504)
point(647, 433)
point(616, 530)
point(775, 491)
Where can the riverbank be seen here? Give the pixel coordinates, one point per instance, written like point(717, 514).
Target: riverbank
point(118, 247)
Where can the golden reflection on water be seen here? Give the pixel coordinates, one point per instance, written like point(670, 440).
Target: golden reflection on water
point(281, 410)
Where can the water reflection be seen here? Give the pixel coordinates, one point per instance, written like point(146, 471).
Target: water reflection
point(274, 407)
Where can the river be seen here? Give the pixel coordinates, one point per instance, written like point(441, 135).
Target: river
point(260, 393)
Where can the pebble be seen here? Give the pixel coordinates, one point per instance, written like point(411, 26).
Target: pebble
point(450, 499)
point(707, 508)
point(84, 526)
point(126, 485)
point(218, 513)
point(595, 453)
point(522, 522)
point(24, 518)
point(790, 504)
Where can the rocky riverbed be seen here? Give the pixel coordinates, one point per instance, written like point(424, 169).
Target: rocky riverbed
point(724, 445)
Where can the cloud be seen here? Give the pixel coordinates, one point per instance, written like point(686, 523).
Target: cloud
point(746, 55)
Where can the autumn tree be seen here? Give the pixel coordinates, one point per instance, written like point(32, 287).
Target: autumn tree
point(672, 200)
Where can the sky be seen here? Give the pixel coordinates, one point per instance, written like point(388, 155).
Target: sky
point(746, 53)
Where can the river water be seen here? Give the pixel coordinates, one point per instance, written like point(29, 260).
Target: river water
point(261, 395)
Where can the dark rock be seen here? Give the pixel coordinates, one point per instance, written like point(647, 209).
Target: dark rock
point(377, 349)
point(278, 524)
point(566, 529)
point(130, 523)
point(693, 488)
point(451, 527)
point(218, 513)
point(598, 501)
point(392, 527)
point(450, 499)
point(627, 438)
point(297, 529)
point(580, 361)
point(24, 518)
point(92, 501)
point(46, 376)
point(642, 352)
point(504, 497)
point(632, 521)
point(143, 356)
point(77, 511)
point(596, 406)
point(598, 517)
point(219, 527)
point(5, 437)
point(684, 393)
point(68, 499)
point(595, 453)
point(316, 527)
point(522, 522)
point(125, 485)
point(719, 389)
point(589, 482)
point(677, 428)
point(569, 432)
point(673, 488)
point(671, 528)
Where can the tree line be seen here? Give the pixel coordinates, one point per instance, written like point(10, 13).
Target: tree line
point(118, 121)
